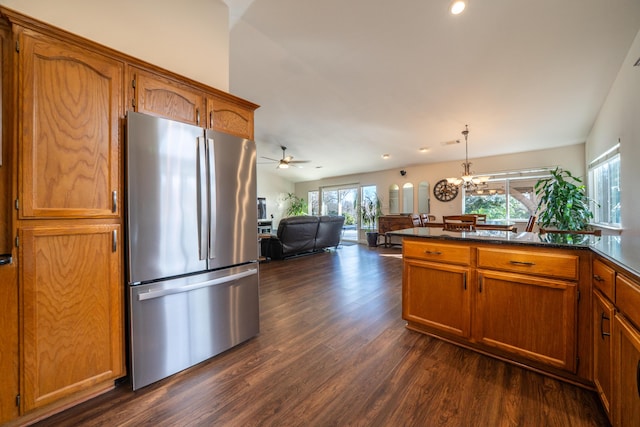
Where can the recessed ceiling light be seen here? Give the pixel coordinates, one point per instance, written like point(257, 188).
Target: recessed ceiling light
point(385, 156)
point(424, 149)
point(457, 6)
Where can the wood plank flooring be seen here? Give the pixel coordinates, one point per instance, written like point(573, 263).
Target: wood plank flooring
point(333, 351)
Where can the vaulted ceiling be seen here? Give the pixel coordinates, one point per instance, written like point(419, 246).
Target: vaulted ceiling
point(342, 82)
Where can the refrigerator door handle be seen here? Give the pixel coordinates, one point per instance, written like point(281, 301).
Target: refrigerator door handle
point(180, 289)
point(203, 217)
point(211, 162)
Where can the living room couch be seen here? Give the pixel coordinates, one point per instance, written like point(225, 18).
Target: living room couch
point(303, 234)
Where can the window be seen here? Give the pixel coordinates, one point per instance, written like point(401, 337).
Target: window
point(507, 196)
point(314, 202)
point(604, 188)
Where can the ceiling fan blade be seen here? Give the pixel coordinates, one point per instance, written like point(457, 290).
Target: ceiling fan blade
point(300, 161)
point(269, 158)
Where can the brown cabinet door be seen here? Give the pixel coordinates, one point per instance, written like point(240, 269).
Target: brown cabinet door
point(159, 96)
point(530, 317)
point(603, 312)
point(437, 296)
point(72, 310)
point(71, 104)
point(230, 118)
point(626, 373)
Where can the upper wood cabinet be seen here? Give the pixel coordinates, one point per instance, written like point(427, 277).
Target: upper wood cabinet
point(160, 96)
point(72, 305)
point(228, 117)
point(70, 107)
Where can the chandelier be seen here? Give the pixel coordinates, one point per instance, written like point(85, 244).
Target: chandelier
point(468, 181)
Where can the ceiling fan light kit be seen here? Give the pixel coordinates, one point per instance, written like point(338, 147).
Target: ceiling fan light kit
point(286, 161)
point(458, 6)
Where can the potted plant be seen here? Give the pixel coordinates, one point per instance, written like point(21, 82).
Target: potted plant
point(297, 205)
point(562, 202)
point(369, 209)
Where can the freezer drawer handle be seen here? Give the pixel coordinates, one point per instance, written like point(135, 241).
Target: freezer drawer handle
point(164, 292)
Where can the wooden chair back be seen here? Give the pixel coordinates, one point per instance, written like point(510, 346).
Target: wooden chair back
point(480, 217)
point(459, 222)
point(424, 219)
point(432, 218)
point(415, 218)
point(531, 223)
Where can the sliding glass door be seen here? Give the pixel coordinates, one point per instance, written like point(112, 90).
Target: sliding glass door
point(342, 201)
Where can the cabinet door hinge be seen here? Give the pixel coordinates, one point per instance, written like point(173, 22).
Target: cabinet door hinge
point(18, 400)
point(17, 204)
point(18, 46)
point(17, 242)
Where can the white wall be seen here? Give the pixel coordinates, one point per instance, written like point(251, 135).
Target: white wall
point(619, 118)
point(571, 158)
point(188, 37)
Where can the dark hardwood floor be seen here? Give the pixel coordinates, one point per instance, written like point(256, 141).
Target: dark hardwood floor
point(333, 351)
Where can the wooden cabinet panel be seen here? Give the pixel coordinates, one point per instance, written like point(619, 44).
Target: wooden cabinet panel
point(159, 96)
point(72, 310)
point(437, 252)
point(626, 379)
point(227, 117)
point(8, 342)
point(71, 103)
point(628, 298)
point(603, 312)
point(530, 317)
point(603, 278)
point(437, 296)
point(546, 264)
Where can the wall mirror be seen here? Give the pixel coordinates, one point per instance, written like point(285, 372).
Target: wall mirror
point(394, 194)
point(407, 198)
point(423, 197)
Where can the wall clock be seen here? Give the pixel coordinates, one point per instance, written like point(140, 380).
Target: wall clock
point(444, 191)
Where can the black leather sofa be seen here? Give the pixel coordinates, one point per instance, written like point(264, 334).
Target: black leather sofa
point(303, 234)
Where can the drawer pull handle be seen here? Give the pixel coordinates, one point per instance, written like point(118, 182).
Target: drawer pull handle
point(597, 278)
point(602, 332)
point(525, 263)
point(433, 252)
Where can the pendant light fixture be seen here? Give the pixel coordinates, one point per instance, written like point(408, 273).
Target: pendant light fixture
point(468, 181)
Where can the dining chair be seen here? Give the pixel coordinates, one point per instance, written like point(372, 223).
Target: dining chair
point(415, 219)
point(424, 219)
point(480, 217)
point(459, 222)
point(531, 223)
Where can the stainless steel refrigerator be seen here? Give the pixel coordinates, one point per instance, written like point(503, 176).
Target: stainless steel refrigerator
point(192, 245)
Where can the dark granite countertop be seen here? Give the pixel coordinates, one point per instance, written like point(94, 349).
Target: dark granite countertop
point(621, 250)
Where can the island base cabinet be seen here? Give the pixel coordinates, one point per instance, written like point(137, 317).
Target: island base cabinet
point(437, 296)
point(603, 312)
point(626, 354)
point(72, 305)
point(534, 318)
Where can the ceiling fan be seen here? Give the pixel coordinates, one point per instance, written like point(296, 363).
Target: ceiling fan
point(286, 160)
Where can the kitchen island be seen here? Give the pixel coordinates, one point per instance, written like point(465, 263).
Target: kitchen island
point(565, 305)
point(520, 297)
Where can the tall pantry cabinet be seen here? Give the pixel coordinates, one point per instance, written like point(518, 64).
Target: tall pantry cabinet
point(67, 113)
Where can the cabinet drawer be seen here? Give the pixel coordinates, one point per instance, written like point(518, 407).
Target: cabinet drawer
point(540, 264)
point(628, 298)
point(437, 252)
point(603, 278)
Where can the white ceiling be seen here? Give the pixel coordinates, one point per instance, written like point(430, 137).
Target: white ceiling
point(342, 82)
